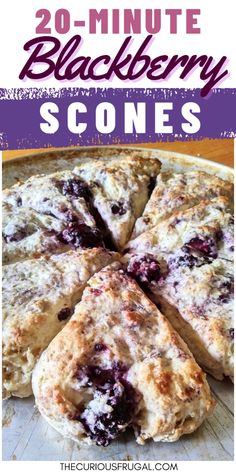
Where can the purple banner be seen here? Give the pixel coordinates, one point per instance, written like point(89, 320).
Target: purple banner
point(33, 118)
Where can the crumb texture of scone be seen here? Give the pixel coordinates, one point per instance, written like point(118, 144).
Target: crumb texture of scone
point(39, 296)
point(121, 189)
point(118, 363)
point(186, 264)
point(27, 234)
point(180, 191)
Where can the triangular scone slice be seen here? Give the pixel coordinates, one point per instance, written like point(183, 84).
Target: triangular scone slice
point(180, 191)
point(195, 236)
point(118, 363)
point(62, 196)
point(38, 298)
point(27, 234)
point(121, 188)
point(199, 304)
point(196, 295)
point(185, 263)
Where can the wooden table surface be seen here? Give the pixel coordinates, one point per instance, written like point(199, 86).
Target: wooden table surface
point(219, 150)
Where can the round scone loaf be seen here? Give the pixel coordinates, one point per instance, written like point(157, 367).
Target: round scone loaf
point(39, 296)
point(118, 363)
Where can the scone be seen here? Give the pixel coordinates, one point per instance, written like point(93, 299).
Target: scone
point(118, 363)
point(61, 196)
point(27, 233)
point(38, 298)
point(198, 301)
point(199, 304)
point(191, 237)
point(120, 188)
point(186, 265)
point(180, 191)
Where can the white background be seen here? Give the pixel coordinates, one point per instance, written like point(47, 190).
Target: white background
point(217, 38)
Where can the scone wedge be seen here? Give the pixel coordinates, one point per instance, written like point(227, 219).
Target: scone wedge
point(39, 296)
point(175, 191)
point(60, 202)
point(118, 363)
point(186, 264)
point(121, 188)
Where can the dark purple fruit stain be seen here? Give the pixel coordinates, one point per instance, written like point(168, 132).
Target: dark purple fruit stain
point(227, 290)
point(96, 291)
point(81, 235)
point(117, 208)
point(231, 333)
point(15, 237)
point(185, 260)
point(75, 188)
point(205, 246)
point(64, 313)
point(100, 347)
point(119, 395)
point(19, 201)
point(144, 269)
point(196, 252)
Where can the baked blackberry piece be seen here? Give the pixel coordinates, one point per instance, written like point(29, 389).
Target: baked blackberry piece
point(118, 363)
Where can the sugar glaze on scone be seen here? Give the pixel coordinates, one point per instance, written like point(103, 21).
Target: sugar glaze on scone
point(180, 191)
point(119, 363)
point(120, 188)
point(38, 299)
